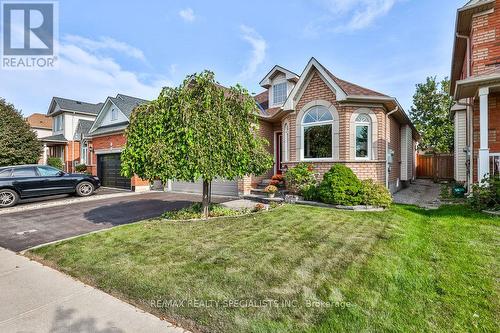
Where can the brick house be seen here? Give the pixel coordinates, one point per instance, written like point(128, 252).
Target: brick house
point(105, 140)
point(475, 86)
point(69, 117)
point(318, 118)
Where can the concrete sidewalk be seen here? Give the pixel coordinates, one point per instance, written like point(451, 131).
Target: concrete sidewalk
point(35, 298)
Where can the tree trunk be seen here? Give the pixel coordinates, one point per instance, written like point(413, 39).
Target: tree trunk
point(206, 198)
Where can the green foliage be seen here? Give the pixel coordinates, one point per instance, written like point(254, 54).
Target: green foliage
point(340, 186)
point(299, 176)
point(55, 162)
point(310, 192)
point(195, 211)
point(430, 115)
point(18, 142)
point(375, 194)
point(485, 195)
point(81, 167)
point(198, 130)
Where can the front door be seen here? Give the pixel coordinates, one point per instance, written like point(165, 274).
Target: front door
point(278, 153)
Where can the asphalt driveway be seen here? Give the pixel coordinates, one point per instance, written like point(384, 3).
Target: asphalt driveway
point(24, 229)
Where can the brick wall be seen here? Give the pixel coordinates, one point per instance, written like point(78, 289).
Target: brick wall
point(71, 155)
point(374, 169)
point(106, 142)
point(485, 48)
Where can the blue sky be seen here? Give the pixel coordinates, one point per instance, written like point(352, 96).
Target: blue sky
point(136, 47)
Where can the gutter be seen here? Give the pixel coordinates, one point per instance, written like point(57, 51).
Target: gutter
point(387, 147)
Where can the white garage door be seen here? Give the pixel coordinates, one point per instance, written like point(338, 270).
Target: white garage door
point(219, 187)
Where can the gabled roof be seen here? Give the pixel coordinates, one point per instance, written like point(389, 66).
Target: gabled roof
point(74, 106)
point(126, 104)
point(353, 89)
point(38, 120)
point(82, 129)
point(289, 75)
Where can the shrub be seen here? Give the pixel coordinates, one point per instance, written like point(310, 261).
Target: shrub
point(81, 168)
point(271, 189)
point(340, 186)
point(374, 194)
point(310, 192)
point(55, 162)
point(299, 176)
point(485, 195)
point(195, 212)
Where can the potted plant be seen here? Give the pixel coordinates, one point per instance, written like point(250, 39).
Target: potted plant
point(271, 190)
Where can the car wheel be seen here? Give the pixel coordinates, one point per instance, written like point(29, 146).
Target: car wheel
point(8, 198)
point(84, 189)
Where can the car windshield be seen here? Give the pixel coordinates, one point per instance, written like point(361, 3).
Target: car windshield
point(48, 171)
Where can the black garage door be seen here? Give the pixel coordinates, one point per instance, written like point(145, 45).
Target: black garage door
point(108, 170)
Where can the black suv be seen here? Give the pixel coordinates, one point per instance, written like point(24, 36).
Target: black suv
point(26, 181)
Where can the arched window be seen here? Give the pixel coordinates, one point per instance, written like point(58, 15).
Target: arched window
point(363, 136)
point(286, 140)
point(317, 126)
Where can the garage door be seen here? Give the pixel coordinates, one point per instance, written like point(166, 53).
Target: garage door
point(108, 170)
point(219, 187)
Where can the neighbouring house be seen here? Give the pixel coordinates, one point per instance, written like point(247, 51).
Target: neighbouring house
point(104, 140)
point(42, 126)
point(68, 117)
point(475, 86)
point(318, 118)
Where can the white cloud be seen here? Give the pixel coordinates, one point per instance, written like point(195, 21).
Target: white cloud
point(259, 47)
point(187, 15)
point(105, 43)
point(83, 74)
point(348, 15)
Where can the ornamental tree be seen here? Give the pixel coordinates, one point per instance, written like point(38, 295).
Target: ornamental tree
point(18, 142)
point(198, 130)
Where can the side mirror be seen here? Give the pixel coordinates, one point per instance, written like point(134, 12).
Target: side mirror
point(60, 174)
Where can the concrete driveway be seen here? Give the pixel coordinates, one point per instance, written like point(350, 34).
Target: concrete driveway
point(21, 230)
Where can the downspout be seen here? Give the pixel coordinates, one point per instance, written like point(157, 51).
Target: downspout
point(387, 147)
point(469, 106)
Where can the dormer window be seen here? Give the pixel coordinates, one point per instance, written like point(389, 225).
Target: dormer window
point(279, 93)
point(114, 114)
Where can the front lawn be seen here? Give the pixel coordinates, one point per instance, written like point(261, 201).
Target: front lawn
point(301, 269)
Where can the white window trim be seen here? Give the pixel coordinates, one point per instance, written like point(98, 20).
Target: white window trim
point(372, 134)
point(319, 123)
point(369, 140)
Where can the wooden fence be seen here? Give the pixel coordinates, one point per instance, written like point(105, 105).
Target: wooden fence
point(438, 166)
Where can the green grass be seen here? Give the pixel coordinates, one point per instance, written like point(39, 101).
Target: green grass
point(402, 270)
